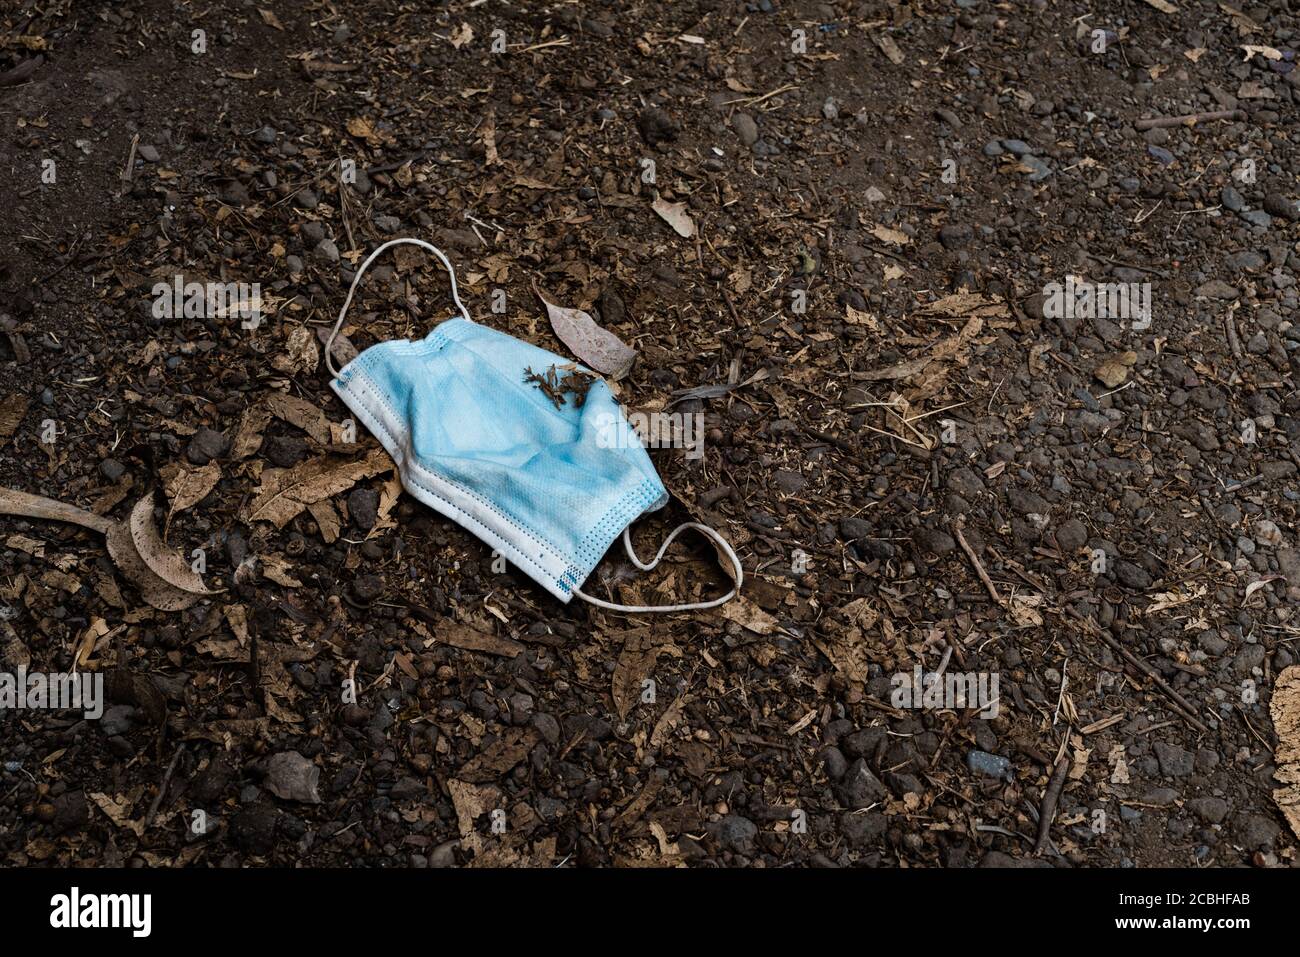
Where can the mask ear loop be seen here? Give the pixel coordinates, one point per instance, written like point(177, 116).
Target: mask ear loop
point(329, 343)
point(645, 567)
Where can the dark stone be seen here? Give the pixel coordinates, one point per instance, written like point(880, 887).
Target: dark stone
point(363, 507)
point(206, 445)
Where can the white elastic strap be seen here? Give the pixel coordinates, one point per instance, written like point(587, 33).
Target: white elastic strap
point(329, 343)
point(694, 606)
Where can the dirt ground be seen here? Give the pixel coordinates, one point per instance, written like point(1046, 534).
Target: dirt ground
point(921, 462)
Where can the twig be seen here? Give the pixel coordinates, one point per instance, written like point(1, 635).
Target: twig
point(1060, 697)
point(994, 829)
point(881, 250)
point(917, 445)
point(755, 100)
point(1180, 704)
point(974, 560)
point(1047, 810)
point(343, 207)
point(1246, 483)
point(129, 171)
point(562, 42)
point(1233, 341)
point(842, 444)
point(1167, 121)
point(1127, 265)
point(162, 788)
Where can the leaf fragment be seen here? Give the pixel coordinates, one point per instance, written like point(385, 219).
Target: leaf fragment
point(676, 216)
point(284, 493)
point(596, 347)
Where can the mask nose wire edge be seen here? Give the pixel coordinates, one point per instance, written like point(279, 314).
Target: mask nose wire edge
point(356, 280)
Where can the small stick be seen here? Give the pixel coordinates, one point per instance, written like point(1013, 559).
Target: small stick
point(1120, 262)
point(1238, 486)
point(841, 444)
point(995, 829)
point(129, 173)
point(1163, 685)
point(1181, 705)
point(974, 560)
point(755, 100)
point(162, 788)
point(343, 206)
point(1167, 121)
point(1233, 341)
point(1047, 810)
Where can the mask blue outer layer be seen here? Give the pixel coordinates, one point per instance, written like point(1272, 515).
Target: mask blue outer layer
point(550, 488)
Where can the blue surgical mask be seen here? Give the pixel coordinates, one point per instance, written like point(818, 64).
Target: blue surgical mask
point(548, 487)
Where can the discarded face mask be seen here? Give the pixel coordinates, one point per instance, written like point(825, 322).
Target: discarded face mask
point(544, 485)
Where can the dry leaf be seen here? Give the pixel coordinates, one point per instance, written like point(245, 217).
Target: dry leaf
point(463, 636)
point(490, 155)
point(959, 305)
point(187, 487)
point(237, 618)
point(1252, 90)
point(471, 802)
point(118, 810)
point(597, 347)
point(1024, 610)
point(1112, 372)
point(1285, 711)
point(278, 569)
point(284, 493)
point(270, 19)
point(164, 577)
point(1120, 773)
point(676, 216)
point(1268, 53)
point(671, 717)
point(462, 35)
point(892, 236)
point(305, 415)
point(528, 182)
point(889, 48)
point(301, 354)
point(497, 759)
point(31, 546)
point(1258, 584)
point(388, 496)
point(248, 436)
point(13, 652)
point(12, 410)
point(327, 518)
point(855, 318)
point(635, 663)
point(748, 615)
point(362, 128)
